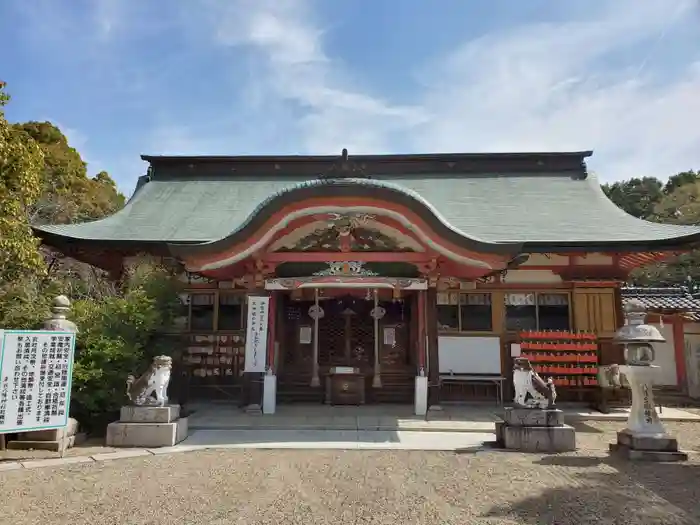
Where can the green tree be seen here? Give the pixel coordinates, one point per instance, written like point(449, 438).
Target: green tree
point(681, 179)
point(118, 334)
point(21, 160)
point(681, 205)
point(68, 194)
point(637, 197)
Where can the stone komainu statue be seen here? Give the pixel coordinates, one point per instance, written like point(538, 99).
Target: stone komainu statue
point(154, 382)
point(542, 394)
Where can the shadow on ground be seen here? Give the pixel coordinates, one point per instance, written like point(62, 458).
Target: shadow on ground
point(638, 493)
point(585, 428)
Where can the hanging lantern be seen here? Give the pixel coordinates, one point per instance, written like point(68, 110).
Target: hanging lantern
point(316, 312)
point(378, 313)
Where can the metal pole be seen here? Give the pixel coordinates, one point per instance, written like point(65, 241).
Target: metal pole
point(377, 380)
point(315, 380)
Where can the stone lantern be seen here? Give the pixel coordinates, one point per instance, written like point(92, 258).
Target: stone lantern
point(645, 436)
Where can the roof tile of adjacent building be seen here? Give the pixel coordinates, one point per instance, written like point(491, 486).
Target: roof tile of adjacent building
point(671, 299)
point(540, 199)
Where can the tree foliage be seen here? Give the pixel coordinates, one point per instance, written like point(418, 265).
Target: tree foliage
point(118, 333)
point(44, 179)
point(67, 193)
point(677, 201)
point(20, 187)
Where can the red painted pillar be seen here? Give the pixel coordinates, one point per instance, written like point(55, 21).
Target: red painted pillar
point(271, 323)
point(679, 351)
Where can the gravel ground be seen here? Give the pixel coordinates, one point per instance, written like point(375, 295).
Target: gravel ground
point(353, 487)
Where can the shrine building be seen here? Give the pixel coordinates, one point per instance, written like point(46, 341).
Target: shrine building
point(386, 278)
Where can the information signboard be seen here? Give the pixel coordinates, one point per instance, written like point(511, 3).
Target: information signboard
point(36, 368)
point(256, 336)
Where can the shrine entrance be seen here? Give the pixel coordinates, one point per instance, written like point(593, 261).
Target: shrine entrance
point(346, 333)
point(354, 329)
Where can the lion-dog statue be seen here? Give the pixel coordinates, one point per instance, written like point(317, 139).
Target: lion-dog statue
point(154, 382)
point(527, 382)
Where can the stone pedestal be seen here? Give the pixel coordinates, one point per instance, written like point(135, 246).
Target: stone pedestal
point(54, 440)
point(535, 430)
point(147, 426)
point(645, 437)
point(647, 448)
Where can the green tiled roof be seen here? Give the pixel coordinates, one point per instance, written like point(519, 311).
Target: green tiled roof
point(545, 208)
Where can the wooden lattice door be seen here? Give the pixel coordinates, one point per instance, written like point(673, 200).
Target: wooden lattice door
point(346, 333)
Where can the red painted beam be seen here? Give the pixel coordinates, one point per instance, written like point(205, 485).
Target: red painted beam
point(310, 257)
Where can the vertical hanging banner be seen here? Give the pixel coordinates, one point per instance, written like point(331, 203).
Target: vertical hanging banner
point(36, 368)
point(256, 334)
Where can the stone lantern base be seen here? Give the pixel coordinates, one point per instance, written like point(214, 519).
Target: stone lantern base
point(647, 448)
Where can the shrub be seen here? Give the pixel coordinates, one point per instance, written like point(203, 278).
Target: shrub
point(115, 338)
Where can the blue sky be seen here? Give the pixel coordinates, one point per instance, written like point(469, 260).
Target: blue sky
point(125, 77)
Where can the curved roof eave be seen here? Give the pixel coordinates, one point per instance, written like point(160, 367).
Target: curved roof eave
point(348, 187)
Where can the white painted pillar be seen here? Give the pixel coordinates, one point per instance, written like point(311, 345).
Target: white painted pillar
point(315, 379)
point(421, 396)
point(377, 379)
point(269, 393)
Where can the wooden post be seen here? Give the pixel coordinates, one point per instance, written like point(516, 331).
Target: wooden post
point(377, 379)
point(315, 379)
point(272, 321)
point(432, 342)
point(422, 334)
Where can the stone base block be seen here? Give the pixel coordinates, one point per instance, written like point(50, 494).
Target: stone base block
point(651, 443)
point(56, 434)
point(539, 439)
point(52, 446)
point(500, 438)
point(146, 435)
point(149, 414)
point(253, 409)
point(647, 455)
point(533, 417)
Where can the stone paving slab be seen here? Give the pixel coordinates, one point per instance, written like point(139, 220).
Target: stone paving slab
point(10, 465)
point(478, 418)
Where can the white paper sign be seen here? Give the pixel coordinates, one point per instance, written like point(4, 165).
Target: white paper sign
point(305, 335)
point(36, 370)
point(515, 350)
point(256, 334)
point(389, 335)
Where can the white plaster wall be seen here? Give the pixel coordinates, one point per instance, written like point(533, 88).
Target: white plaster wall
point(531, 277)
point(665, 358)
point(692, 358)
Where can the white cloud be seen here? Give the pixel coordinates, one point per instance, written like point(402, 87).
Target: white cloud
point(536, 87)
point(532, 87)
point(296, 70)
